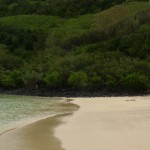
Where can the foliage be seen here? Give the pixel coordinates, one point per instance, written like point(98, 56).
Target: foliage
point(96, 81)
point(136, 82)
point(20, 38)
point(101, 50)
point(78, 79)
point(65, 8)
point(53, 79)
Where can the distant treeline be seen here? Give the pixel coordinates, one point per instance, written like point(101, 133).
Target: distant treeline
point(63, 8)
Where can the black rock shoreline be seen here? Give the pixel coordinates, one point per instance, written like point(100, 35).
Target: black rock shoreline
point(71, 93)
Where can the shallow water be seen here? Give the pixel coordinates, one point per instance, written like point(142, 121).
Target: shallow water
point(16, 111)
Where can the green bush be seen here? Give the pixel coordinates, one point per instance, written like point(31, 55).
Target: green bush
point(7, 81)
point(53, 79)
point(136, 82)
point(96, 81)
point(78, 79)
point(8, 60)
point(16, 75)
point(111, 82)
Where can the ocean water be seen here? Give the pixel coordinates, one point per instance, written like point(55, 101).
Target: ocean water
point(16, 111)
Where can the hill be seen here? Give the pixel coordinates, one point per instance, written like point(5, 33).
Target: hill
point(92, 52)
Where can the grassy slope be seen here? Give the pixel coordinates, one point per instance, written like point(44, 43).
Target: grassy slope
point(33, 22)
point(101, 20)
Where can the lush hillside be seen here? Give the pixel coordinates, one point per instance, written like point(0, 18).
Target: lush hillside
point(108, 50)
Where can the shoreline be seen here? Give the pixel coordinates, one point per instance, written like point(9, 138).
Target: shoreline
point(61, 104)
point(36, 135)
point(33, 120)
point(72, 93)
point(35, 130)
point(28, 120)
point(119, 121)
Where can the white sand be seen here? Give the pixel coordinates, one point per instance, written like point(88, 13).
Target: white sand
point(116, 123)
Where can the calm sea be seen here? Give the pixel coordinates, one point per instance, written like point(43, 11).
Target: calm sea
point(16, 111)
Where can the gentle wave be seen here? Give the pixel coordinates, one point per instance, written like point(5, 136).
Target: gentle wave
point(17, 111)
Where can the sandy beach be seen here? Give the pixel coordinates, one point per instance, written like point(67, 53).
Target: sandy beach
point(109, 123)
point(115, 123)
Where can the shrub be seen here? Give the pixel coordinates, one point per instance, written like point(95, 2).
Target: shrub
point(53, 79)
point(7, 81)
point(96, 81)
point(135, 82)
point(111, 82)
point(78, 79)
point(16, 75)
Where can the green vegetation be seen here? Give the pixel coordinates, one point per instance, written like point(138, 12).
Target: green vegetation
point(63, 8)
point(75, 45)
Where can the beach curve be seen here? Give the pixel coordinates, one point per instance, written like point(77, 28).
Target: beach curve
point(37, 135)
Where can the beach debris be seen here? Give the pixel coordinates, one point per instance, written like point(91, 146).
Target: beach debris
point(131, 100)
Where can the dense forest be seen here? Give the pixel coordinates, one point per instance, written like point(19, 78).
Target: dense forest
point(75, 45)
point(63, 8)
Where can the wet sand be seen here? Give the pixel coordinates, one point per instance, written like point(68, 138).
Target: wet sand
point(35, 136)
point(115, 123)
